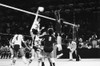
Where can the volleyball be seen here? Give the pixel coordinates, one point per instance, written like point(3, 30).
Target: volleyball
point(41, 9)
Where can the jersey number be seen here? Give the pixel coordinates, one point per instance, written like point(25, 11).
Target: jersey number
point(49, 38)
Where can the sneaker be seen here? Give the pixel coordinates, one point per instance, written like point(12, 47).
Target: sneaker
point(12, 65)
point(27, 64)
point(53, 64)
point(70, 59)
point(30, 60)
point(13, 62)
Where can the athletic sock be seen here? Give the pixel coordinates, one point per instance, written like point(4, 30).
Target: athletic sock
point(50, 64)
point(53, 64)
point(30, 60)
point(43, 64)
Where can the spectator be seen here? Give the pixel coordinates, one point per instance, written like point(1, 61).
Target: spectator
point(81, 43)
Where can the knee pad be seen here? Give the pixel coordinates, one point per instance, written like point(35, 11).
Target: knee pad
point(15, 59)
point(52, 60)
point(32, 58)
point(24, 60)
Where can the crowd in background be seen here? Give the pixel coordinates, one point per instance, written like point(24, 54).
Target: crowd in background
point(92, 42)
point(5, 52)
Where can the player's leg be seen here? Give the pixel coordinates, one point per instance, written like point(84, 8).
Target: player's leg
point(51, 59)
point(78, 58)
point(32, 55)
point(71, 55)
point(41, 60)
point(12, 56)
point(40, 57)
point(13, 60)
point(15, 51)
point(21, 50)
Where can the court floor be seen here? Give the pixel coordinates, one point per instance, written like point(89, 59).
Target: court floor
point(59, 62)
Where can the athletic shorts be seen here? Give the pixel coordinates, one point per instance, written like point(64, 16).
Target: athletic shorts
point(16, 48)
point(48, 49)
point(28, 54)
point(47, 54)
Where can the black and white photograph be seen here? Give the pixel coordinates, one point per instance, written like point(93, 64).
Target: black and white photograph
point(49, 32)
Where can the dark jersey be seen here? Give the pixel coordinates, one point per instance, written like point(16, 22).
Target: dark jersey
point(58, 22)
point(48, 42)
point(58, 27)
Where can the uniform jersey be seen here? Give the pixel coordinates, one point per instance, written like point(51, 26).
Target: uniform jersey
point(36, 25)
point(48, 42)
point(58, 27)
point(17, 39)
point(72, 46)
point(37, 40)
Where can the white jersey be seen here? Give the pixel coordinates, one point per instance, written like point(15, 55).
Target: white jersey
point(72, 46)
point(36, 25)
point(17, 39)
point(37, 40)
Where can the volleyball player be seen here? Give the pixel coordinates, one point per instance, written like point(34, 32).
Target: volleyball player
point(35, 33)
point(16, 46)
point(72, 47)
point(49, 41)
